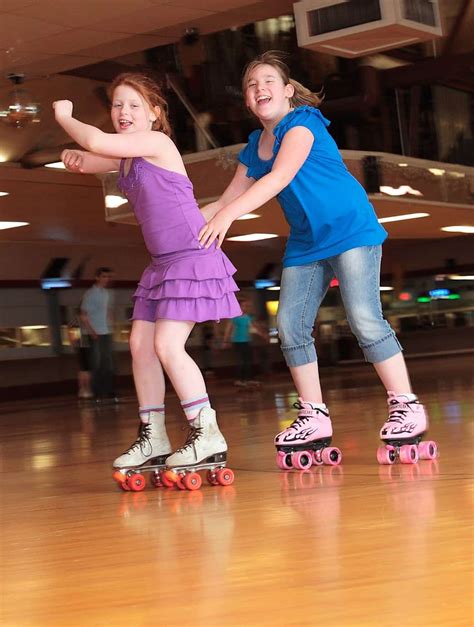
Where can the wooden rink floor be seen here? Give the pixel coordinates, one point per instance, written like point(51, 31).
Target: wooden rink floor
point(349, 546)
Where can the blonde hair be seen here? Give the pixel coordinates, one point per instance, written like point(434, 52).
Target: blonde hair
point(150, 92)
point(302, 95)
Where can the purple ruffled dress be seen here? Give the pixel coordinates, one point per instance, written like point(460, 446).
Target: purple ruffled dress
point(184, 281)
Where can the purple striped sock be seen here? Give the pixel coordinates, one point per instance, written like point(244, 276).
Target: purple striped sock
point(193, 406)
point(144, 412)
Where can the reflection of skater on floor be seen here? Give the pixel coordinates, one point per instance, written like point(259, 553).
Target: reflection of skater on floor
point(238, 331)
point(79, 341)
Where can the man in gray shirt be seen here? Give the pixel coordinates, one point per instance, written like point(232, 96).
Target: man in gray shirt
point(96, 308)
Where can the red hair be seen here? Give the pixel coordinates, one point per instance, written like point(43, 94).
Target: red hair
point(150, 92)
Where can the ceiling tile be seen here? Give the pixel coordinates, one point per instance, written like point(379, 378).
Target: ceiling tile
point(127, 45)
point(73, 40)
point(16, 30)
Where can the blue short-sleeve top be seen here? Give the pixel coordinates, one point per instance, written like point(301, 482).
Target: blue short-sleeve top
point(326, 207)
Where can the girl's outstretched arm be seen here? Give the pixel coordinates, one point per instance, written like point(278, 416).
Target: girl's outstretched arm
point(294, 151)
point(122, 146)
point(87, 162)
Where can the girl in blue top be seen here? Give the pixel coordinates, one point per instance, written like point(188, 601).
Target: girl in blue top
point(333, 232)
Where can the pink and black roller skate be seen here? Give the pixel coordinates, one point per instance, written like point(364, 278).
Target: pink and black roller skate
point(307, 440)
point(402, 433)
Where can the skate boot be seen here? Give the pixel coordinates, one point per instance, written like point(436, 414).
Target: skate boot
point(147, 454)
point(204, 449)
point(307, 440)
point(406, 424)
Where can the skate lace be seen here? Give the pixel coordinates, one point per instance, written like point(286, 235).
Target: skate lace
point(193, 434)
point(144, 436)
point(398, 413)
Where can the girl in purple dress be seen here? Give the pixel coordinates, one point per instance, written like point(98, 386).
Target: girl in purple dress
point(185, 282)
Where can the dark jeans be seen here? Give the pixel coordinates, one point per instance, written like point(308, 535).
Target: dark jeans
point(103, 369)
point(244, 352)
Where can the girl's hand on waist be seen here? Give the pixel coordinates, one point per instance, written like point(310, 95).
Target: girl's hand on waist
point(215, 229)
point(73, 160)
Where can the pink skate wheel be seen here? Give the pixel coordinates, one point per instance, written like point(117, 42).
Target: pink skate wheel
point(192, 481)
point(317, 458)
point(386, 454)
point(302, 460)
point(225, 476)
point(118, 476)
point(331, 456)
point(155, 480)
point(408, 454)
point(427, 450)
point(136, 482)
point(283, 460)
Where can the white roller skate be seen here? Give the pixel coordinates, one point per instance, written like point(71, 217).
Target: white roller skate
point(402, 432)
point(147, 454)
point(204, 449)
point(307, 440)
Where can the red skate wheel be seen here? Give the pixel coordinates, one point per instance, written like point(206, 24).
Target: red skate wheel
point(155, 480)
point(408, 454)
point(212, 477)
point(428, 450)
point(119, 477)
point(302, 460)
point(386, 455)
point(192, 481)
point(331, 456)
point(225, 476)
point(165, 480)
point(136, 482)
point(180, 482)
point(171, 476)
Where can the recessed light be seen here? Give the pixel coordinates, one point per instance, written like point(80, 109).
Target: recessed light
point(458, 229)
point(11, 225)
point(3, 158)
point(57, 165)
point(436, 171)
point(461, 277)
point(249, 216)
point(399, 191)
point(403, 165)
point(4, 193)
point(275, 288)
point(386, 288)
point(112, 201)
point(407, 216)
point(251, 237)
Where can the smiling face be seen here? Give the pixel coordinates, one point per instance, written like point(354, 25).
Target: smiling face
point(266, 94)
point(130, 111)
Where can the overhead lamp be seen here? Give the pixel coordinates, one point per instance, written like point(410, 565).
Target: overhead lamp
point(403, 165)
point(436, 171)
point(251, 237)
point(20, 108)
point(386, 288)
point(406, 216)
point(275, 288)
point(11, 225)
point(458, 229)
point(4, 193)
point(461, 277)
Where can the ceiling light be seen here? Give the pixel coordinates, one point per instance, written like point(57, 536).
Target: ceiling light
point(403, 165)
point(386, 288)
point(275, 288)
point(112, 201)
point(57, 165)
point(461, 277)
point(249, 216)
point(436, 171)
point(458, 229)
point(3, 158)
point(4, 193)
point(399, 191)
point(11, 225)
point(406, 216)
point(251, 237)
